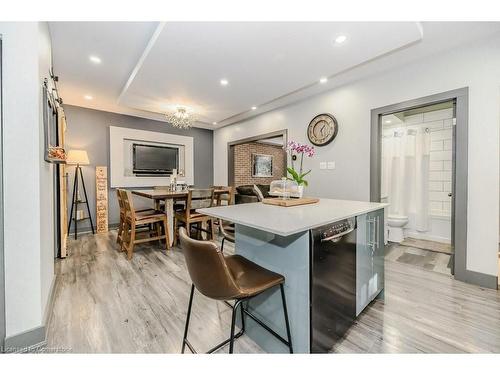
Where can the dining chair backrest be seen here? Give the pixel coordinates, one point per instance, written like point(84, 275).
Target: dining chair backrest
point(226, 198)
point(128, 203)
point(120, 201)
point(199, 198)
point(207, 268)
point(222, 199)
point(226, 228)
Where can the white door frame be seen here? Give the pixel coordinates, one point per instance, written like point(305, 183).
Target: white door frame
point(2, 263)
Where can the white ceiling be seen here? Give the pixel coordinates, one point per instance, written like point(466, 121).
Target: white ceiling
point(149, 68)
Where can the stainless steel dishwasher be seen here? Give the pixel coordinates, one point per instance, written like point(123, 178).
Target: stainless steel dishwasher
point(347, 273)
point(333, 283)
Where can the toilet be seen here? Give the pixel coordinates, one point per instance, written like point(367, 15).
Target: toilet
point(395, 225)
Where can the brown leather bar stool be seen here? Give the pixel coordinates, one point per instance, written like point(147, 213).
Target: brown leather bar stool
point(228, 278)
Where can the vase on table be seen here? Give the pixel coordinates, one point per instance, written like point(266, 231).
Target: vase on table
point(300, 191)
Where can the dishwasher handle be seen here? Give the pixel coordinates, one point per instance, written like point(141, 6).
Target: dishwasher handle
point(338, 235)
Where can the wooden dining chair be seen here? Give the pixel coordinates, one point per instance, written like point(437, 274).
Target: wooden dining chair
point(121, 225)
point(197, 198)
point(122, 217)
point(134, 219)
point(226, 228)
point(226, 198)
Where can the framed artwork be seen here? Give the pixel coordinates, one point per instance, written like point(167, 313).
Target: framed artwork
point(262, 165)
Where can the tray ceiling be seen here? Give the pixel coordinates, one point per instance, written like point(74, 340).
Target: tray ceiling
point(150, 68)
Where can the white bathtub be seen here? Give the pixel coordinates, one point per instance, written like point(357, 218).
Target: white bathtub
point(439, 229)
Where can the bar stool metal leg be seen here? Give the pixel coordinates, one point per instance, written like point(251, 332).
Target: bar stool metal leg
point(232, 337)
point(184, 340)
point(233, 323)
point(287, 323)
point(243, 311)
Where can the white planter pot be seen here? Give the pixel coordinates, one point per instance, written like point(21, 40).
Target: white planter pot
point(301, 191)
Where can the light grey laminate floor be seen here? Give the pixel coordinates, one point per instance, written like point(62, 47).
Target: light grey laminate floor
point(106, 304)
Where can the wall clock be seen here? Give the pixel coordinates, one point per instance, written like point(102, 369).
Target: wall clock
point(322, 129)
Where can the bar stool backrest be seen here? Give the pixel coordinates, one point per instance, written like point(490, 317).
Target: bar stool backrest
point(207, 268)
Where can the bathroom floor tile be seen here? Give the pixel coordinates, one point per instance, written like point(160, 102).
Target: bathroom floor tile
point(429, 260)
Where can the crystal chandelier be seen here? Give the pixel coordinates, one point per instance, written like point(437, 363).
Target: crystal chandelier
point(181, 119)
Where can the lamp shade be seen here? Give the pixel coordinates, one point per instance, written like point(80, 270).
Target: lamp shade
point(77, 157)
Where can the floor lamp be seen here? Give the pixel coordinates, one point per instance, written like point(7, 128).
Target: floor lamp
point(78, 158)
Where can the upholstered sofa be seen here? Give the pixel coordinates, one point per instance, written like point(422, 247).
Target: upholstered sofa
point(251, 193)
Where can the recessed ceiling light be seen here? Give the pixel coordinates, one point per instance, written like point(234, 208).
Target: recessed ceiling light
point(323, 80)
point(254, 108)
point(340, 39)
point(388, 121)
point(95, 59)
point(88, 97)
point(214, 123)
point(224, 82)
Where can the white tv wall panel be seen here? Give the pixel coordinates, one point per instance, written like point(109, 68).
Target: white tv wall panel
point(120, 156)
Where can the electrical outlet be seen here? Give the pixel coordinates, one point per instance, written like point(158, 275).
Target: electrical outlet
point(322, 165)
point(331, 165)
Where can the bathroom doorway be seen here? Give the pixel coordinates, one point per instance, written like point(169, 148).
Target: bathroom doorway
point(419, 166)
point(416, 179)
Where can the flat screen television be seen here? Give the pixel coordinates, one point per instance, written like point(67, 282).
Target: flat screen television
point(153, 159)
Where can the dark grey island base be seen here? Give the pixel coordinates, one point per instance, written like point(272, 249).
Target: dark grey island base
point(333, 270)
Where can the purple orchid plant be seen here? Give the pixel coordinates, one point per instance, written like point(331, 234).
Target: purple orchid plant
point(296, 149)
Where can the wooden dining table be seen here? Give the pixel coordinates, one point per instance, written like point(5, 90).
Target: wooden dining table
point(168, 197)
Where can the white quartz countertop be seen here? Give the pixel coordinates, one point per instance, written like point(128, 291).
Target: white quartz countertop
point(285, 221)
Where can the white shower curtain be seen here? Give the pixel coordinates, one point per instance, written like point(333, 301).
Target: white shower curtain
point(387, 152)
point(405, 173)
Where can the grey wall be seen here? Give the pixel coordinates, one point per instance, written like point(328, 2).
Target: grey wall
point(351, 104)
point(88, 129)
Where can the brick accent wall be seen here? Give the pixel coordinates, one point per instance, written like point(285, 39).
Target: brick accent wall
point(243, 163)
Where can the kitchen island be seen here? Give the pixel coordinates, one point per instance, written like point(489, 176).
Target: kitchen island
point(332, 256)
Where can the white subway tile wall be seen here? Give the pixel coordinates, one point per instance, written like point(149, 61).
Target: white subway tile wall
point(440, 125)
point(436, 185)
point(436, 165)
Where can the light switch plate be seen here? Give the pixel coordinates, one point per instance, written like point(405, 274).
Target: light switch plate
point(331, 165)
point(322, 165)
